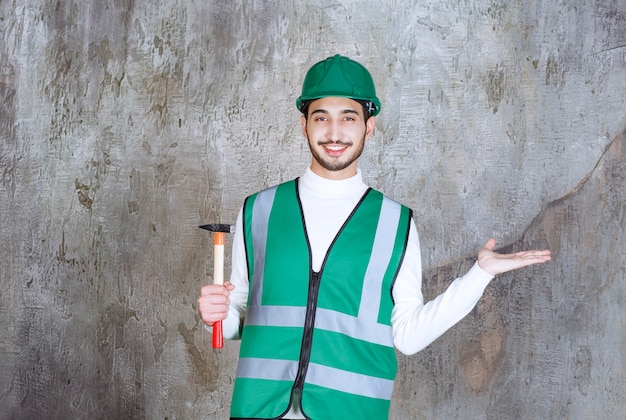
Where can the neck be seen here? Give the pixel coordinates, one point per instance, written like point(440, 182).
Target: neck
point(345, 173)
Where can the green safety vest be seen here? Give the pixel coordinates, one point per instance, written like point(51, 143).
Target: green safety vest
point(325, 335)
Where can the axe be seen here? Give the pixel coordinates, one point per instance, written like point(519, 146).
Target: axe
point(219, 230)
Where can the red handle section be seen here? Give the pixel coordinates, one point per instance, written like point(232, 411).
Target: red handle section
point(218, 335)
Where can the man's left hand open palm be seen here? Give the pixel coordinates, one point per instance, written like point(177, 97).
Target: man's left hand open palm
point(494, 263)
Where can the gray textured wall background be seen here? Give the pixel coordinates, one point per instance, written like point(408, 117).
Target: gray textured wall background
point(126, 124)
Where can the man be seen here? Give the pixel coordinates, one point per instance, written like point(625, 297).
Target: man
point(326, 276)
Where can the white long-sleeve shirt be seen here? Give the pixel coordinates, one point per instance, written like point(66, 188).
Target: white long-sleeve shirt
point(326, 205)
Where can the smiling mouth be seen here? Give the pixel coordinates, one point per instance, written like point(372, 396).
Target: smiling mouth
point(334, 149)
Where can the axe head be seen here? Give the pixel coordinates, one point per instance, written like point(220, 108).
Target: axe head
point(219, 227)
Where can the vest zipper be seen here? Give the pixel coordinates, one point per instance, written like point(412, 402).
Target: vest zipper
point(311, 305)
point(307, 337)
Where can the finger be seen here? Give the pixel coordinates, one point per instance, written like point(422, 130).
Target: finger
point(210, 318)
point(216, 300)
point(213, 303)
point(535, 254)
point(214, 289)
point(213, 311)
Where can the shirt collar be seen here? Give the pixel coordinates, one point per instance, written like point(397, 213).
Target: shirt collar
point(352, 185)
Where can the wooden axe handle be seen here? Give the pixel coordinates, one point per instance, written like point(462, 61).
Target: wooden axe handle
point(218, 278)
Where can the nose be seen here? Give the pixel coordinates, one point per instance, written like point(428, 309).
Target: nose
point(334, 132)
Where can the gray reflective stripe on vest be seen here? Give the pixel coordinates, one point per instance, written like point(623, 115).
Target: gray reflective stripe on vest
point(359, 328)
point(324, 376)
point(353, 383)
point(276, 316)
point(260, 221)
point(325, 319)
point(270, 369)
point(379, 260)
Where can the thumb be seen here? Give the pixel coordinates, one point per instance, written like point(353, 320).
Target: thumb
point(490, 244)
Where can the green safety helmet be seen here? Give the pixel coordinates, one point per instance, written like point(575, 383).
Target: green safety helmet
point(339, 76)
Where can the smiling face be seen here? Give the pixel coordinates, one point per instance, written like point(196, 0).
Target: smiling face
point(336, 130)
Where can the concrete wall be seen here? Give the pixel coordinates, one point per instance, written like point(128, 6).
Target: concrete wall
point(125, 125)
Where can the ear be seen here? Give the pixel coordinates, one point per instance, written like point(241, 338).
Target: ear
point(303, 122)
point(370, 124)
